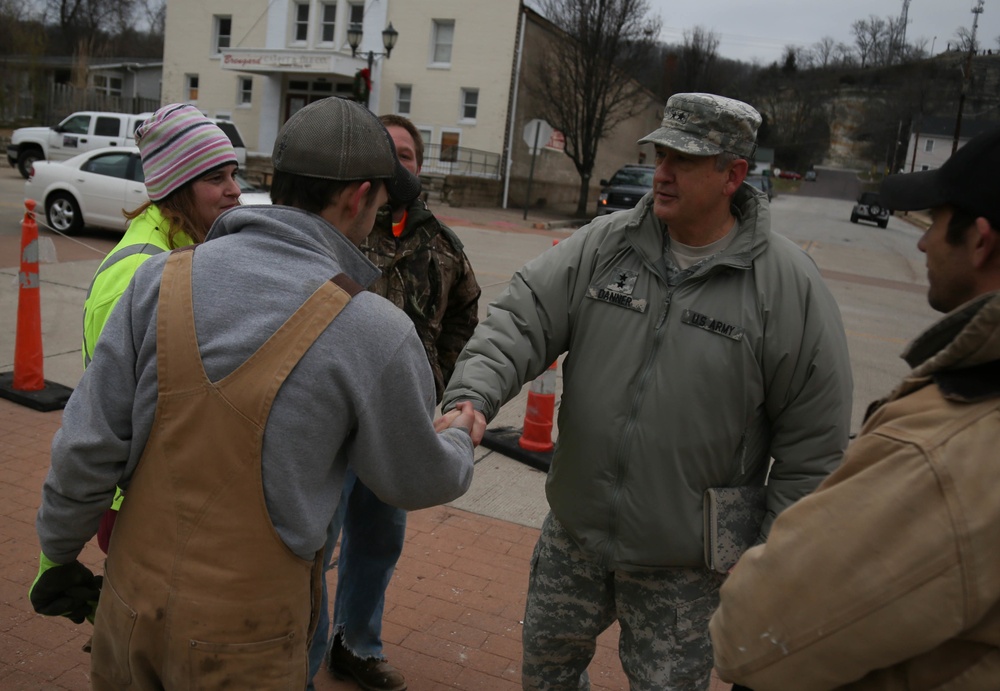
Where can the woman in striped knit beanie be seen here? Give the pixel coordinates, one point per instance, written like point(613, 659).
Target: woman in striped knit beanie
point(189, 165)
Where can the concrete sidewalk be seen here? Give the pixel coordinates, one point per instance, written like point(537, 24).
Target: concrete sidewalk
point(456, 602)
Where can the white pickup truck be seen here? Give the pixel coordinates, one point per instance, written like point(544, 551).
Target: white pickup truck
point(88, 130)
point(76, 134)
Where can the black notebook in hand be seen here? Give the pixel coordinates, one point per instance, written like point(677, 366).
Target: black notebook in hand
point(733, 516)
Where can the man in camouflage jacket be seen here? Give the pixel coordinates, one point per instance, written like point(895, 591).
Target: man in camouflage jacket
point(426, 274)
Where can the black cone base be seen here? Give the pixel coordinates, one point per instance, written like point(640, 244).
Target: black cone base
point(504, 440)
point(51, 397)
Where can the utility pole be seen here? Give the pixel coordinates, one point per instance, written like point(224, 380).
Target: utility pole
point(966, 75)
point(901, 34)
point(895, 149)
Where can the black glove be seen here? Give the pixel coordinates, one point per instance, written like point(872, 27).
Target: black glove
point(65, 590)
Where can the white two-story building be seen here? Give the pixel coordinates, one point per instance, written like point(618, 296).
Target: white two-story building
point(455, 69)
point(932, 140)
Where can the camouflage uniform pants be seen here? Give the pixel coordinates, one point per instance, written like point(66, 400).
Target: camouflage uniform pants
point(664, 613)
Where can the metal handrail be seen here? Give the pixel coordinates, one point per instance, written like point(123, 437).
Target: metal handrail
point(460, 160)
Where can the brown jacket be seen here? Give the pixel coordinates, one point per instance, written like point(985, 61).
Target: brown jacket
point(888, 576)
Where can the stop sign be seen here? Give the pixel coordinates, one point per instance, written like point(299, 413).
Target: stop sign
point(536, 134)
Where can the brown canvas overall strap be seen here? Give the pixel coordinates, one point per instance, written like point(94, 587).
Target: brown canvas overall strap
point(252, 386)
point(273, 361)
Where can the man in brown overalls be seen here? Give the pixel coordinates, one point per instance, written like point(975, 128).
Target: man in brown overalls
point(230, 389)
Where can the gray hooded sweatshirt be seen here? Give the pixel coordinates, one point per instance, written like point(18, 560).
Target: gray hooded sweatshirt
point(363, 394)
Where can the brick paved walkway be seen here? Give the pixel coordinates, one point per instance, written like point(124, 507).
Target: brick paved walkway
point(453, 609)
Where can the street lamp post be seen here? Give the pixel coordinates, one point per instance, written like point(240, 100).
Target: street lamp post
point(389, 36)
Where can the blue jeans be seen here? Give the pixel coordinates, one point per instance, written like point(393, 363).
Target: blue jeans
point(370, 547)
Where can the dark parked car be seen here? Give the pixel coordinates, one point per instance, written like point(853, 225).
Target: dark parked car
point(625, 188)
point(810, 176)
point(869, 208)
point(761, 182)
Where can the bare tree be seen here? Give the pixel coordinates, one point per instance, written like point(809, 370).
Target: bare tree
point(844, 55)
point(965, 41)
point(21, 33)
point(153, 13)
point(588, 87)
point(805, 59)
point(793, 105)
point(790, 60)
point(863, 40)
point(895, 39)
point(90, 19)
point(879, 41)
point(824, 51)
point(916, 50)
point(697, 60)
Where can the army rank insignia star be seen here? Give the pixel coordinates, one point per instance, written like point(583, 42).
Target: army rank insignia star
point(618, 291)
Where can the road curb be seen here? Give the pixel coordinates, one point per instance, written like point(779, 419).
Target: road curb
point(555, 225)
point(918, 220)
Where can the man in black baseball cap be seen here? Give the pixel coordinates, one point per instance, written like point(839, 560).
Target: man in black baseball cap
point(964, 202)
point(966, 181)
point(908, 584)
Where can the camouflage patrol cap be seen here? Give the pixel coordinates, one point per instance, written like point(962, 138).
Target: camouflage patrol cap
point(706, 125)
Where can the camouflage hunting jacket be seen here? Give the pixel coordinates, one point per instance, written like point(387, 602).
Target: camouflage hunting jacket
point(426, 274)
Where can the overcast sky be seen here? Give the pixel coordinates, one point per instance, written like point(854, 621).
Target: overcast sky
point(760, 29)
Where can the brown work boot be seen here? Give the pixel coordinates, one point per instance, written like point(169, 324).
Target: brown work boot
point(371, 674)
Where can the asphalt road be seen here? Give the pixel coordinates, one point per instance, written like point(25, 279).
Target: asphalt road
point(831, 183)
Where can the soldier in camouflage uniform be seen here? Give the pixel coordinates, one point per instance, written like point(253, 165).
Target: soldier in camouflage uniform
point(426, 274)
point(699, 345)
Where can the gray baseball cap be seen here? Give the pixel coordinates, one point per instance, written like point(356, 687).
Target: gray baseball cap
point(706, 125)
point(337, 139)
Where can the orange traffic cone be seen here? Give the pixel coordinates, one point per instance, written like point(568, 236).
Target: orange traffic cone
point(28, 367)
point(533, 443)
point(27, 384)
point(537, 434)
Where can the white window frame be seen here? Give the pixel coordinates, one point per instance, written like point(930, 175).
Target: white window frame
point(191, 86)
point(464, 105)
point(244, 92)
point(400, 100)
point(295, 23)
point(223, 115)
point(928, 145)
point(217, 35)
point(321, 18)
point(426, 133)
point(437, 45)
point(105, 84)
point(355, 16)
